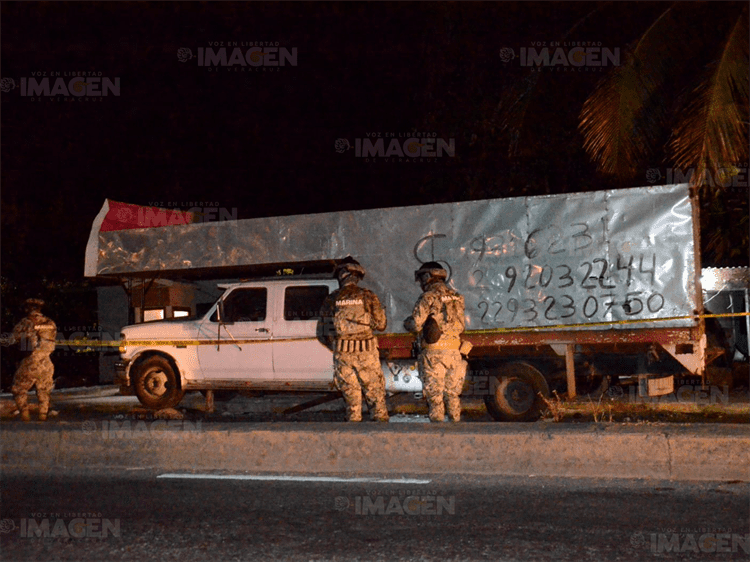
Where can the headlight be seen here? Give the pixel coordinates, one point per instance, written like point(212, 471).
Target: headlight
point(123, 344)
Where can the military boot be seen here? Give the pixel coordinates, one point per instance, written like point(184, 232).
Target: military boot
point(378, 411)
point(43, 409)
point(23, 406)
point(380, 416)
point(454, 408)
point(437, 411)
point(354, 411)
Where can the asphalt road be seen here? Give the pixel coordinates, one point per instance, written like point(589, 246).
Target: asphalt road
point(146, 516)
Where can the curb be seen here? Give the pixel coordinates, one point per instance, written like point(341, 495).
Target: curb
point(715, 452)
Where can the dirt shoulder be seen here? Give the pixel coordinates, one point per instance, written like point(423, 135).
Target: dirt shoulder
point(689, 404)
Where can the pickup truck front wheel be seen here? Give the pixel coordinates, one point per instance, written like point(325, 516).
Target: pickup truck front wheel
point(516, 393)
point(156, 385)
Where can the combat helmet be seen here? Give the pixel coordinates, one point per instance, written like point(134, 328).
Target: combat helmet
point(31, 305)
point(429, 271)
point(349, 266)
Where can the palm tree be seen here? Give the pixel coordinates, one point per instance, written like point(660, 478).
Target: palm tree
point(623, 121)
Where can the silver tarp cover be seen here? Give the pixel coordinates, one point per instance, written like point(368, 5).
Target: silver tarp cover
point(594, 258)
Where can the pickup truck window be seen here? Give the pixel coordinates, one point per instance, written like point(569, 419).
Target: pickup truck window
point(303, 303)
point(245, 305)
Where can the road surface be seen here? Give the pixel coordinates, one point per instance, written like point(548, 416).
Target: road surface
point(152, 516)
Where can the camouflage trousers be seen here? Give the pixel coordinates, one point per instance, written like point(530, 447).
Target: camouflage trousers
point(358, 372)
point(35, 370)
point(443, 373)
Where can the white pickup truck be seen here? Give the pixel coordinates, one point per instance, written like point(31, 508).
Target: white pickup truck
point(260, 335)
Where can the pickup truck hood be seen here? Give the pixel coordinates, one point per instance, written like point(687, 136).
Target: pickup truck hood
point(162, 329)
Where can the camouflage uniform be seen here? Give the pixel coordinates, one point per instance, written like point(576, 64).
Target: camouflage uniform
point(36, 335)
point(440, 364)
point(355, 313)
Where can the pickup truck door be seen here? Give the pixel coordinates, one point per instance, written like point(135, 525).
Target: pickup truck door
point(240, 346)
point(297, 353)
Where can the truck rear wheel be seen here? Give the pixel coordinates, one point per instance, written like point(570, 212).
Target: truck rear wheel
point(156, 384)
point(516, 393)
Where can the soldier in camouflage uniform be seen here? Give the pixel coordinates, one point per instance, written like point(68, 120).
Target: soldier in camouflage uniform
point(35, 335)
point(438, 318)
point(349, 315)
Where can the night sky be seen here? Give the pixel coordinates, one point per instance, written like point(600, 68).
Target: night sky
point(262, 142)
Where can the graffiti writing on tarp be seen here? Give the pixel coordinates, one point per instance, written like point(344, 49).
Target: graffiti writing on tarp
point(425, 251)
point(553, 275)
point(568, 274)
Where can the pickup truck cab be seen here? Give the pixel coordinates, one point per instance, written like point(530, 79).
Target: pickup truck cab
point(259, 335)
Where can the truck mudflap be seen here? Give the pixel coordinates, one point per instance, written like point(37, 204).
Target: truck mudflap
point(655, 385)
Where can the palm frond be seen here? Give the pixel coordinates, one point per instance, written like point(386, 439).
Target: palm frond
point(712, 137)
point(622, 119)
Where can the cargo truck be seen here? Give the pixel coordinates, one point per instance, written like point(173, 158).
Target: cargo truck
point(563, 293)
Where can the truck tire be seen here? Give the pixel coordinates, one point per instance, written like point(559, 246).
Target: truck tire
point(156, 383)
point(516, 393)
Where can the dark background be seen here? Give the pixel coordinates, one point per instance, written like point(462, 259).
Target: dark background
point(262, 143)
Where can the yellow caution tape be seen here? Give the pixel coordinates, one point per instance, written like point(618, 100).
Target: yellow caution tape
point(229, 341)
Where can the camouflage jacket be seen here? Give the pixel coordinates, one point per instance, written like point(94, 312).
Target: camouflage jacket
point(445, 305)
point(352, 313)
point(35, 334)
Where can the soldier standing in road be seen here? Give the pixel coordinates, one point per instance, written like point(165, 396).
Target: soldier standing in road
point(35, 335)
point(348, 317)
point(438, 318)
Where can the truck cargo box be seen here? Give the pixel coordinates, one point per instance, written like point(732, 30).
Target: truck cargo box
point(598, 260)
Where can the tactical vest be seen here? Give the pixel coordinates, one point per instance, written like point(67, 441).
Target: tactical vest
point(351, 320)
